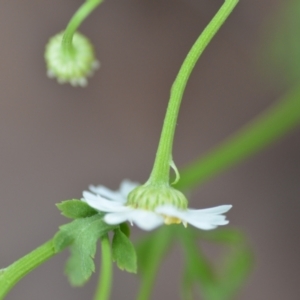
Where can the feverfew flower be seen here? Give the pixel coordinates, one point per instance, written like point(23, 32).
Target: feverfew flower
point(150, 206)
point(70, 63)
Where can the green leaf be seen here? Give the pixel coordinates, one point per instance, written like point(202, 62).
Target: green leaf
point(75, 209)
point(151, 250)
point(223, 282)
point(198, 269)
point(82, 234)
point(236, 271)
point(187, 285)
point(125, 229)
point(123, 252)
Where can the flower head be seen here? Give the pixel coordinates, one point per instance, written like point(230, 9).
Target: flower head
point(158, 207)
point(73, 63)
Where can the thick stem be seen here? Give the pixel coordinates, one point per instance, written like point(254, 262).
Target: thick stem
point(16, 271)
point(105, 277)
point(161, 169)
point(81, 14)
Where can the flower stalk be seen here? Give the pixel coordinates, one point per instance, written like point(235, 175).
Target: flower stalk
point(161, 170)
point(20, 268)
point(105, 277)
point(81, 14)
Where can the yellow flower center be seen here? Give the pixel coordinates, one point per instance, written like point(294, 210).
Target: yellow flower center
point(173, 220)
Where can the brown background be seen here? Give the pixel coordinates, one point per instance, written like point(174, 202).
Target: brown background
point(55, 140)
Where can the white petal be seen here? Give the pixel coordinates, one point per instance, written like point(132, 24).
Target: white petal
point(107, 193)
point(202, 218)
point(144, 219)
point(127, 186)
point(101, 204)
point(213, 210)
point(117, 217)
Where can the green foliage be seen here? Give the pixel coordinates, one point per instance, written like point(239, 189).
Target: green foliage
point(125, 229)
point(153, 248)
point(75, 209)
point(215, 283)
point(200, 275)
point(123, 252)
point(82, 236)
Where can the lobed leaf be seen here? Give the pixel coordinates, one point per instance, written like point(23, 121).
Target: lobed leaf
point(75, 209)
point(82, 236)
point(123, 252)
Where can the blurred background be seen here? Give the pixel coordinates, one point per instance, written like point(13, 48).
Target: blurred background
point(55, 140)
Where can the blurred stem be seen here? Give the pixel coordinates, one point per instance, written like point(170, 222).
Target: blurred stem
point(16, 271)
point(105, 277)
point(265, 129)
point(156, 252)
point(161, 169)
point(80, 15)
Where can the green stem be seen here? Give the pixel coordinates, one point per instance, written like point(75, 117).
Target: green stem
point(80, 15)
point(258, 134)
point(161, 169)
point(105, 277)
point(16, 271)
point(160, 244)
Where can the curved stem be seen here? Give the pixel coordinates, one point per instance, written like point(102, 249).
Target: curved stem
point(105, 277)
point(161, 168)
point(16, 271)
point(81, 14)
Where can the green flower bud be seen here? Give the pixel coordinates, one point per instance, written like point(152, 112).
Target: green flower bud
point(72, 63)
point(150, 196)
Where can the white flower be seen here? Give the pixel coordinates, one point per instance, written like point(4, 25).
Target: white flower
point(118, 211)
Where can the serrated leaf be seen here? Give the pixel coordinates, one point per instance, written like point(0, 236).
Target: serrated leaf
point(82, 234)
point(123, 252)
point(75, 209)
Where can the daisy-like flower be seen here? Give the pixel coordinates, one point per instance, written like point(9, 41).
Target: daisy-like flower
point(74, 64)
point(151, 206)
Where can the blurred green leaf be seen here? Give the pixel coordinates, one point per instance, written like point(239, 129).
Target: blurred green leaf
point(150, 251)
point(75, 209)
point(235, 272)
point(124, 227)
point(199, 270)
point(152, 248)
point(82, 236)
point(215, 283)
point(123, 252)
